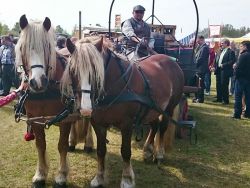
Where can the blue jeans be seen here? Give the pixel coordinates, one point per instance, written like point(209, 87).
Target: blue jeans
point(232, 85)
point(207, 81)
point(241, 86)
point(8, 77)
point(1, 82)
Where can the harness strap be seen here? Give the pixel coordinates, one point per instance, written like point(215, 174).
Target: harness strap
point(36, 66)
point(125, 97)
point(19, 106)
point(138, 122)
point(86, 91)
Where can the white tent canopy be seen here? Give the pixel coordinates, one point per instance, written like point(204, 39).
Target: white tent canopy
point(246, 35)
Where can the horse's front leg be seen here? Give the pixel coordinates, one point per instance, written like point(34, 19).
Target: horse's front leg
point(63, 145)
point(42, 166)
point(72, 137)
point(89, 143)
point(128, 176)
point(101, 133)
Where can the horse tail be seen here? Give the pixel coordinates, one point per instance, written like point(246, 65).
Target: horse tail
point(169, 135)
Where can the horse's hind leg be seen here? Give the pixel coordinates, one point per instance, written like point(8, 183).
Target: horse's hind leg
point(63, 144)
point(159, 142)
point(148, 148)
point(42, 166)
point(101, 133)
point(166, 135)
point(128, 176)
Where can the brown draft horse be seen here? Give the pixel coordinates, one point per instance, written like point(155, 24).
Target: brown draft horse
point(129, 91)
point(35, 52)
point(81, 130)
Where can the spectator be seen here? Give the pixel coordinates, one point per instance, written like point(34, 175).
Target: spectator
point(210, 66)
point(1, 85)
point(60, 43)
point(7, 58)
point(232, 78)
point(223, 71)
point(242, 81)
point(201, 60)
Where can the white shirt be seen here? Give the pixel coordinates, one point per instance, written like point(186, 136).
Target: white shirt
point(221, 57)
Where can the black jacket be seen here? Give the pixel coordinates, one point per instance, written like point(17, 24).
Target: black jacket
point(227, 62)
point(242, 70)
point(201, 59)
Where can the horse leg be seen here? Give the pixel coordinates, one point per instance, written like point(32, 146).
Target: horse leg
point(148, 148)
point(159, 146)
point(128, 176)
point(169, 135)
point(101, 133)
point(42, 166)
point(166, 135)
point(63, 145)
point(72, 137)
point(89, 143)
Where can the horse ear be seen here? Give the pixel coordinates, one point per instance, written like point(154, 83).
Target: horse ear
point(99, 44)
point(70, 46)
point(23, 22)
point(47, 23)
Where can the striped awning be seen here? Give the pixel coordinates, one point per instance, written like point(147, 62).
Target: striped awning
point(186, 40)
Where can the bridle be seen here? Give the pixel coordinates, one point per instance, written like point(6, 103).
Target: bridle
point(25, 64)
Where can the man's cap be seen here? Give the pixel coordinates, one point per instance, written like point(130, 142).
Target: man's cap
point(138, 7)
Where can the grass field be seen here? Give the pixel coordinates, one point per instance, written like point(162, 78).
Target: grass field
point(221, 157)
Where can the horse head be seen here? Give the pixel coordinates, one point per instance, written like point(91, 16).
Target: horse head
point(35, 52)
point(85, 71)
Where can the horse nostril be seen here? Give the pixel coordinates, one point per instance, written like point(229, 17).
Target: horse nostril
point(44, 81)
point(33, 83)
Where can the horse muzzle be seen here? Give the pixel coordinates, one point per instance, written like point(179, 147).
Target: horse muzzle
point(40, 85)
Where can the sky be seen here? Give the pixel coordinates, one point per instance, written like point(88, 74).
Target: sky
point(171, 12)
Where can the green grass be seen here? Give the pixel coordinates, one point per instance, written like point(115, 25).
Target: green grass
point(221, 157)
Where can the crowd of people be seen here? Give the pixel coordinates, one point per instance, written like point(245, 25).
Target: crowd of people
point(228, 63)
point(8, 76)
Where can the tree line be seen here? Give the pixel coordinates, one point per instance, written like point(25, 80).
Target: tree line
point(4, 29)
point(228, 31)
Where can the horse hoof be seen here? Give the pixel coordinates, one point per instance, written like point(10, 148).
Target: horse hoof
point(88, 149)
point(158, 161)
point(127, 183)
point(57, 185)
point(97, 182)
point(148, 160)
point(38, 184)
point(71, 148)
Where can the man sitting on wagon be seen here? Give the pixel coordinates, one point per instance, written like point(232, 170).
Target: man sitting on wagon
point(137, 32)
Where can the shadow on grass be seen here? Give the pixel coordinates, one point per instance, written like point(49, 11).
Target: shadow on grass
point(175, 172)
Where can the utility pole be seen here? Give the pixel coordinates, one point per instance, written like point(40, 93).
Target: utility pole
point(153, 12)
point(80, 25)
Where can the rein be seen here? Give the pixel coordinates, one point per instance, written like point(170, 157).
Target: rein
point(47, 121)
point(124, 76)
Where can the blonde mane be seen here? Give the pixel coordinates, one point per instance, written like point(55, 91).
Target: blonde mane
point(35, 37)
point(86, 64)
